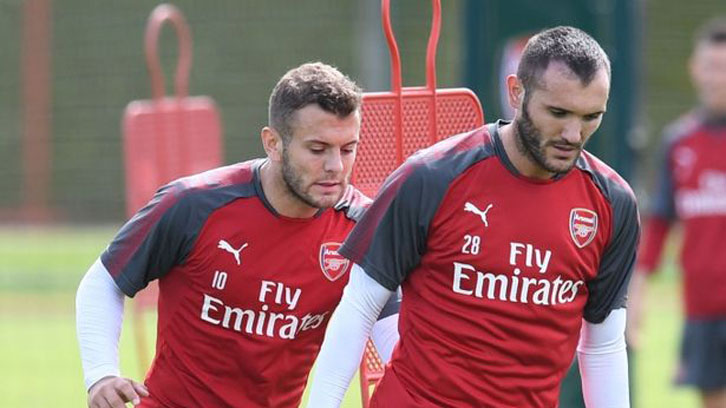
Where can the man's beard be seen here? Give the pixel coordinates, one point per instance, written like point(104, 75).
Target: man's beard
point(294, 183)
point(529, 143)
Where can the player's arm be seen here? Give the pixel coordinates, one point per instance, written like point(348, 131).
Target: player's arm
point(601, 349)
point(603, 362)
point(99, 313)
point(147, 247)
point(386, 245)
point(345, 338)
point(385, 331)
point(662, 213)
point(654, 236)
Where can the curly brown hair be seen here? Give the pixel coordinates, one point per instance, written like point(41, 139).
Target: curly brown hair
point(313, 82)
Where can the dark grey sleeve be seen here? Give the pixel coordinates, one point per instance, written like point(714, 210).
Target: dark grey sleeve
point(663, 201)
point(390, 239)
point(608, 290)
point(153, 241)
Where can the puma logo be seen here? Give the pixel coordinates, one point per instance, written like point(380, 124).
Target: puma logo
point(229, 248)
point(469, 207)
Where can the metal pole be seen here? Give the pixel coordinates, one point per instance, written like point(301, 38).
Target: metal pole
point(36, 115)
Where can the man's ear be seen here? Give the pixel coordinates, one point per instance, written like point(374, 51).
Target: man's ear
point(272, 143)
point(515, 92)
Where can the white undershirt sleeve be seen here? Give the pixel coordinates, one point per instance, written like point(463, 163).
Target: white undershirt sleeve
point(99, 314)
point(346, 337)
point(604, 363)
point(385, 336)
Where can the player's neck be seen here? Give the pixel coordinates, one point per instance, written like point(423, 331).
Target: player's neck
point(521, 162)
point(278, 195)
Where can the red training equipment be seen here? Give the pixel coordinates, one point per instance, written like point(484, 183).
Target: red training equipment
point(165, 138)
point(397, 123)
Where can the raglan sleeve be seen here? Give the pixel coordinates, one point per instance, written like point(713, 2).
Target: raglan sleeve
point(608, 290)
point(660, 215)
point(390, 239)
point(153, 241)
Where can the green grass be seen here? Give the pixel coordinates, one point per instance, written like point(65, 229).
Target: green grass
point(40, 269)
point(656, 359)
point(36, 260)
point(39, 272)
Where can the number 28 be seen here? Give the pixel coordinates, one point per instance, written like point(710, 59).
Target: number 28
point(471, 244)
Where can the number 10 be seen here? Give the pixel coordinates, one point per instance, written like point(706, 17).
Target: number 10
point(219, 281)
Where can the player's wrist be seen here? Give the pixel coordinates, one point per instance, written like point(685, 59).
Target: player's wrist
point(99, 375)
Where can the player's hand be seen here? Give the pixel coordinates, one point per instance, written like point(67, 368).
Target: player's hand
point(115, 392)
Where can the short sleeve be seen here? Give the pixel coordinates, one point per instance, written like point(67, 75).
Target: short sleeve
point(663, 202)
point(390, 239)
point(152, 242)
point(608, 290)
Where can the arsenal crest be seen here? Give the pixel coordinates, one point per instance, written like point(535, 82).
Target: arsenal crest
point(583, 226)
point(333, 264)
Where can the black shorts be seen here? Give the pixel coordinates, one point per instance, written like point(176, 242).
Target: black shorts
point(703, 354)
